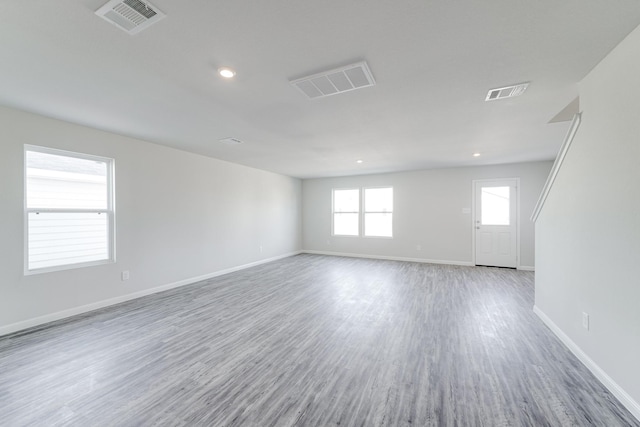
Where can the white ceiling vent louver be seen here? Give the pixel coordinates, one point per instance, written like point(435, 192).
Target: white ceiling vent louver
point(230, 141)
point(132, 16)
point(506, 92)
point(338, 80)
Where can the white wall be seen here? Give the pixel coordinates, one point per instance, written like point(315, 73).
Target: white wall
point(179, 216)
point(427, 211)
point(588, 232)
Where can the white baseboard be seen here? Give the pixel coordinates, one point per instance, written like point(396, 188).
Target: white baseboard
point(394, 258)
point(391, 258)
point(36, 321)
point(605, 379)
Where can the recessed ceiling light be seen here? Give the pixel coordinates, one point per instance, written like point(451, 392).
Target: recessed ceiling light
point(226, 72)
point(358, 161)
point(476, 154)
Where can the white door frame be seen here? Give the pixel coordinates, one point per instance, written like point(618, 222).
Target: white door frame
point(473, 217)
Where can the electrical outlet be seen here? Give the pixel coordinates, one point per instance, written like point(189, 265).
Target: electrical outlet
point(260, 248)
point(125, 275)
point(585, 321)
point(418, 247)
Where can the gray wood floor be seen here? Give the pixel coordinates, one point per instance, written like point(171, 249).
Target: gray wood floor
point(309, 341)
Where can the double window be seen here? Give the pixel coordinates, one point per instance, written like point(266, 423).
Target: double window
point(376, 217)
point(69, 212)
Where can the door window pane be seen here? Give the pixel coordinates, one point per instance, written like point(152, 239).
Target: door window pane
point(494, 206)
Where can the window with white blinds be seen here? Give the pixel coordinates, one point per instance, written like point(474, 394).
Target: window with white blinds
point(69, 213)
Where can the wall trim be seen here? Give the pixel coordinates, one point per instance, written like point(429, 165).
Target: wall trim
point(526, 268)
point(389, 258)
point(624, 398)
point(557, 164)
point(59, 315)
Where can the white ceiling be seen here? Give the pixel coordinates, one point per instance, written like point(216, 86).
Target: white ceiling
point(433, 62)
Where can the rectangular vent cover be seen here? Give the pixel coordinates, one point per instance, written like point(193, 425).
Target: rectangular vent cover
point(230, 141)
point(338, 80)
point(506, 92)
point(131, 16)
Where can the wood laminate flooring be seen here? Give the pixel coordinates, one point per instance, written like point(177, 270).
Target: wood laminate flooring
point(309, 341)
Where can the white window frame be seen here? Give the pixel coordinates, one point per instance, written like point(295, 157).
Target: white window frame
point(361, 212)
point(358, 212)
point(365, 212)
point(109, 211)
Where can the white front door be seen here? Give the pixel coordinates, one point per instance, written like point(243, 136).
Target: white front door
point(496, 225)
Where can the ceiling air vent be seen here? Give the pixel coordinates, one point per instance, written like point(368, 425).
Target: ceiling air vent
point(506, 92)
point(338, 80)
point(230, 141)
point(132, 16)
